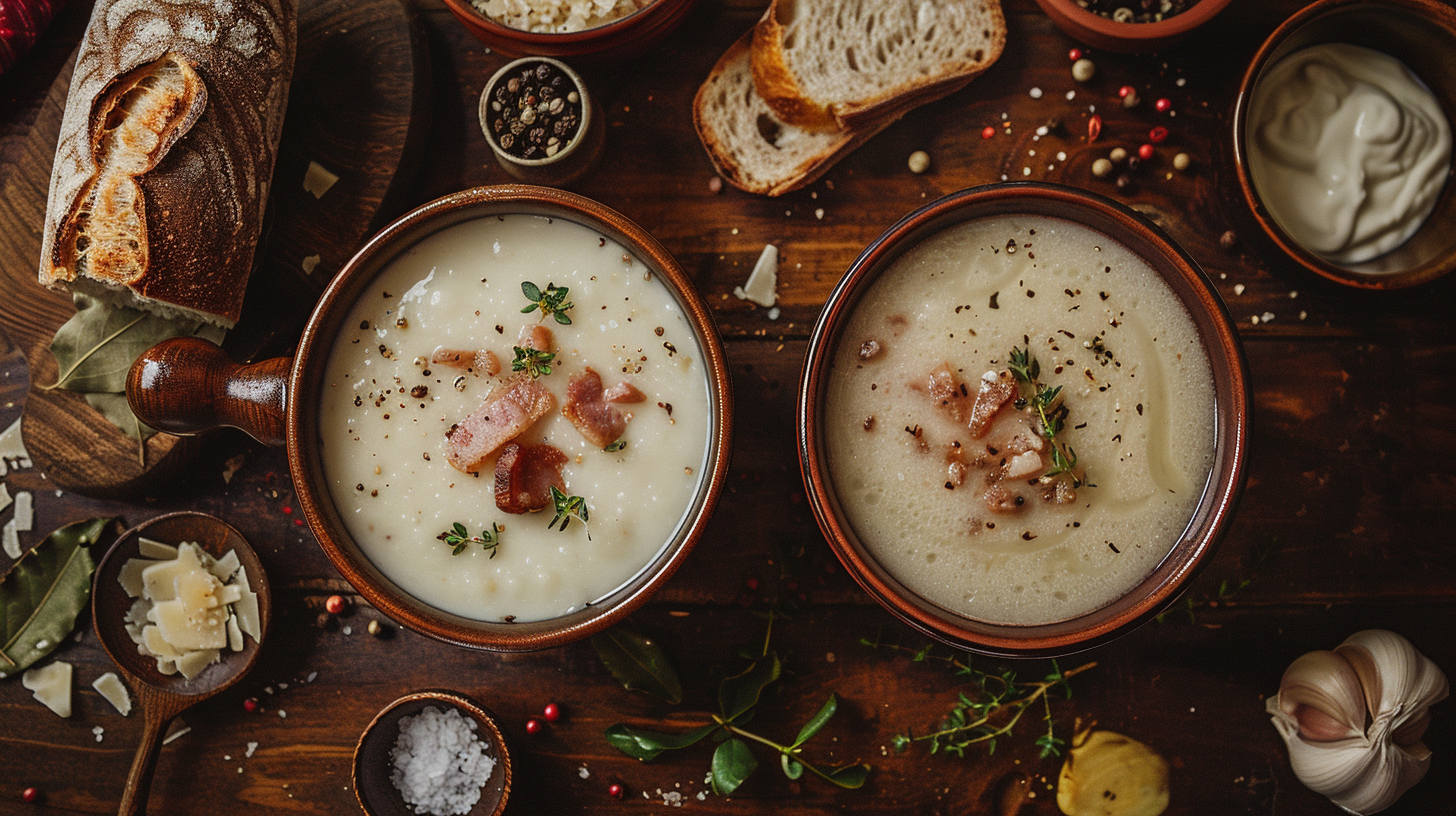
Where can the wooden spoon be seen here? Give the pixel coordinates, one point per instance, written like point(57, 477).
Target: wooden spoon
point(162, 697)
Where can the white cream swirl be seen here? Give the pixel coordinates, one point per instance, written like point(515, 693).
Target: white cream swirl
point(1347, 149)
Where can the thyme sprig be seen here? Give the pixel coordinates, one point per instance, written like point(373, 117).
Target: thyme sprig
point(551, 302)
point(567, 508)
point(1051, 412)
point(993, 707)
point(459, 538)
point(532, 361)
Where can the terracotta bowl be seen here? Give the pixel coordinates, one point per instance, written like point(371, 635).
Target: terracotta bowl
point(1127, 38)
point(1233, 410)
point(373, 761)
point(186, 386)
point(1419, 33)
point(615, 41)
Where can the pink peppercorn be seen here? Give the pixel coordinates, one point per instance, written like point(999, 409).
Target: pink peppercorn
point(288, 511)
point(1163, 105)
point(1126, 91)
point(987, 132)
point(1158, 134)
point(752, 584)
point(1145, 152)
point(335, 604)
point(250, 705)
point(1075, 54)
point(30, 795)
point(552, 712)
point(533, 726)
point(615, 791)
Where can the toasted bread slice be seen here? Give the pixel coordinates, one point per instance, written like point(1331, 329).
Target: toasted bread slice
point(846, 63)
point(753, 148)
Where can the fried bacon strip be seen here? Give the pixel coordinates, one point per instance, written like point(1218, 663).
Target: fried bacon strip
point(524, 476)
point(505, 414)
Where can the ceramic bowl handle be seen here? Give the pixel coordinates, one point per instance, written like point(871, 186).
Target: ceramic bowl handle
point(185, 386)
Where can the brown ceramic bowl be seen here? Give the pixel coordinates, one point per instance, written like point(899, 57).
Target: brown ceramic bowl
point(373, 760)
point(1127, 38)
point(617, 40)
point(184, 386)
point(1231, 404)
point(1419, 33)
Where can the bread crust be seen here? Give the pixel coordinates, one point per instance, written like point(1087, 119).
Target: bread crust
point(200, 191)
point(783, 92)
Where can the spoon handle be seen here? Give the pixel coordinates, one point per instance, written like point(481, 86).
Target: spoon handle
point(186, 385)
point(156, 713)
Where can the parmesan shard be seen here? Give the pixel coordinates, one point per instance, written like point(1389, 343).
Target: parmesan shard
point(12, 449)
point(4, 496)
point(10, 539)
point(763, 282)
point(51, 685)
point(247, 608)
point(111, 687)
point(234, 634)
point(155, 550)
point(24, 511)
point(130, 576)
point(192, 663)
point(318, 180)
point(224, 567)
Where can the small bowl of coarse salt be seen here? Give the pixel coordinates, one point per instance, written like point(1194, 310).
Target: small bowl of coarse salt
point(432, 752)
point(601, 30)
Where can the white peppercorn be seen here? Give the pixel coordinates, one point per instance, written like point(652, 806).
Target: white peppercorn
point(1117, 154)
point(1083, 70)
point(1122, 15)
point(919, 162)
point(1102, 168)
point(1181, 161)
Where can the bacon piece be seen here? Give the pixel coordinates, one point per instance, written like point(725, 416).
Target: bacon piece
point(483, 360)
point(524, 476)
point(997, 389)
point(624, 392)
point(536, 337)
point(505, 414)
point(587, 409)
point(948, 392)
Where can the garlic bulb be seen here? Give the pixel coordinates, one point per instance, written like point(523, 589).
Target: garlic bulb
point(1107, 774)
point(1353, 719)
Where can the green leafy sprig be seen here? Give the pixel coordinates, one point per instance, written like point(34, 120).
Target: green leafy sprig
point(567, 508)
point(551, 302)
point(1051, 412)
point(733, 760)
point(990, 709)
point(532, 362)
point(458, 538)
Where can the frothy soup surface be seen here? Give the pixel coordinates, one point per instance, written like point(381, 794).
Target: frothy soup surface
point(970, 512)
point(386, 409)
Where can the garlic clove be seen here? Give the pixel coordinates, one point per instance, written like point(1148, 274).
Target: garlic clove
point(1321, 692)
point(1396, 678)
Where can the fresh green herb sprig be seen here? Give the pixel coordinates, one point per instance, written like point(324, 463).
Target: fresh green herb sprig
point(992, 708)
point(551, 302)
point(567, 508)
point(532, 362)
point(733, 761)
point(1051, 412)
point(459, 538)
point(616, 446)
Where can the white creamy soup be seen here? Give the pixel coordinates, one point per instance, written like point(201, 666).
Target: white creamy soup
point(982, 525)
point(386, 410)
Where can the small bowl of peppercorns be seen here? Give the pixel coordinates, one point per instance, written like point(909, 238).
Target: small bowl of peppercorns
point(540, 121)
point(1130, 26)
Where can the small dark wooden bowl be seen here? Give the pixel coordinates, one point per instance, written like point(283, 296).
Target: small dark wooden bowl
point(109, 602)
point(1232, 408)
point(616, 41)
point(373, 765)
point(1419, 33)
point(1127, 38)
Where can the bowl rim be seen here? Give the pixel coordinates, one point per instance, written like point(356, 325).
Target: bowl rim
point(1175, 26)
point(1439, 14)
point(1233, 412)
point(555, 38)
point(582, 127)
point(306, 378)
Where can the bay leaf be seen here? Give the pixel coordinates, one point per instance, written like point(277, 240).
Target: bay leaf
point(94, 350)
point(732, 763)
point(116, 409)
point(739, 693)
point(640, 743)
point(44, 591)
point(638, 662)
point(817, 722)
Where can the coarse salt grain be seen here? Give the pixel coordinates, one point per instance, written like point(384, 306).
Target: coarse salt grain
point(439, 764)
point(1035, 93)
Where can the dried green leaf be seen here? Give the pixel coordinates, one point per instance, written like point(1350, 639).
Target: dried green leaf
point(739, 693)
point(94, 350)
point(817, 722)
point(116, 410)
point(44, 591)
point(732, 764)
point(638, 662)
point(792, 768)
point(646, 745)
point(850, 776)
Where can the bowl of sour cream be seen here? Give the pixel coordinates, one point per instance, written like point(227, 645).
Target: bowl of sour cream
point(1342, 135)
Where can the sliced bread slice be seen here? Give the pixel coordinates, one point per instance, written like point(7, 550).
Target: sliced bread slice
point(846, 62)
point(753, 148)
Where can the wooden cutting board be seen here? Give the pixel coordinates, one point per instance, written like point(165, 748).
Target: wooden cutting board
point(355, 108)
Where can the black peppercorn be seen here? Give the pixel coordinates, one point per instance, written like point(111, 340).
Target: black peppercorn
point(537, 103)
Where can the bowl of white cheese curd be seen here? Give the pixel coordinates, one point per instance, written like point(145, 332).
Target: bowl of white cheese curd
point(1023, 420)
point(1342, 136)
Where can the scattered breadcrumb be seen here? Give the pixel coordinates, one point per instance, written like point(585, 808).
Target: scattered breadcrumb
point(311, 263)
point(583, 772)
point(318, 180)
point(230, 467)
point(1238, 288)
point(252, 746)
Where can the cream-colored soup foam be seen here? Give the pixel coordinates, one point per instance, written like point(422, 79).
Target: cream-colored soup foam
point(384, 451)
point(1141, 417)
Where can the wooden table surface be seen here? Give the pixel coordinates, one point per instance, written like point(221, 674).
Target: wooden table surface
point(1344, 525)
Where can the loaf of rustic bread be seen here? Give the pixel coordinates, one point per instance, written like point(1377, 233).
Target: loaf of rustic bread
point(166, 153)
point(846, 63)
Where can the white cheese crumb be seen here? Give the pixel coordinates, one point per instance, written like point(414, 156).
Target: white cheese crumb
point(1061, 155)
point(672, 798)
point(348, 630)
point(1266, 317)
point(318, 180)
point(1042, 131)
point(1180, 81)
point(1034, 93)
point(111, 687)
point(311, 676)
point(819, 213)
point(98, 731)
point(1071, 95)
point(176, 730)
point(283, 714)
point(252, 746)
point(24, 511)
point(773, 314)
point(1026, 171)
point(763, 281)
point(583, 772)
point(51, 685)
point(10, 539)
point(1238, 288)
point(310, 264)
